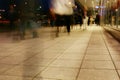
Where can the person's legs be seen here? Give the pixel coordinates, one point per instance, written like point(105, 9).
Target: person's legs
point(10, 28)
point(22, 29)
point(68, 22)
point(68, 28)
point(57, 23)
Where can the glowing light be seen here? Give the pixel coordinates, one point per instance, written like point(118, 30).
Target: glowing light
point(92, 2)
point(40, 7)
point(97, 7)
point(70, 3)
point(2, 10)
point(116, 10)
point(26, 3)
point(14, 5)
point(0, 17)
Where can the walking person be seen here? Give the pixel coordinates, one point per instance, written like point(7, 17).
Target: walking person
point(85, 22)
point(62, 9)
point(97, 20)
point(13, 18)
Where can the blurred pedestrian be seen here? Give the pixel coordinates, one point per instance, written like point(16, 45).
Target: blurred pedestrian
point(80, 19)
point(62, 9)
point(88, 20)
point(13, 18)
point(23, 24)
point(97, 19)
point(85, 22)
point(52, 18)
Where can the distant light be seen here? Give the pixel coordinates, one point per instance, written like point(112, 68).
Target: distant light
point(26, 3)
point(14, 5)
point(2, 10)
point(97, 7)
point(97, 0)
point(116, 10)
point(75, 6)
point(92, 2)
point(70, 3)
point(0, 17)
point(40, 7)
point(100, 7)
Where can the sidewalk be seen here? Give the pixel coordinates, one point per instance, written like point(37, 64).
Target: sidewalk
point(83, 55)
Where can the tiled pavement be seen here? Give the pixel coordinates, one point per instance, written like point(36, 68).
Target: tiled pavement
point(91, 54)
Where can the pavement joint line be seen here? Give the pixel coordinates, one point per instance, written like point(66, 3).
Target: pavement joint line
point(52, 61)
point(9, 69)
point(84, 56)
point(38, 53)
point(29, 57)
point(67, 47)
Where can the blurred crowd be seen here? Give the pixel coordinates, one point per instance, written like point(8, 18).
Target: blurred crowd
point(61, 13)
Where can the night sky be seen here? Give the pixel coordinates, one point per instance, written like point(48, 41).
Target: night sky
point(4, 4)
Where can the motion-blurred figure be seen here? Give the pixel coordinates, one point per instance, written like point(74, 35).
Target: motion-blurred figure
point(80, 19)
point(90, 20)
point(85, 22)
point(62, 9)
point(97, 19)
point(13, 18)
point(27, 14)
